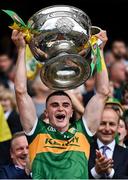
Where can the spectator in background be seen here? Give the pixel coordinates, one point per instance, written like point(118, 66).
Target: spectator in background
point(125, 96)
point(107, 159)
point(122, 131)
point(40, 94)
point(109, 58)
point(77, 102)
point(5, 133)
point(117, 74)
point(125, 117)
point(115, 103)
point(89, 90)
point(17, 169)
point(119, 50)
point(2, 87)
point(6, 71)
point(7, 100)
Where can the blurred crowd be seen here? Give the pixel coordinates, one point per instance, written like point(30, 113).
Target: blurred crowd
point(116, 59)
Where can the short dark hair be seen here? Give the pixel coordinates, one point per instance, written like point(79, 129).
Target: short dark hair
point(117, 40)
point(58, 93)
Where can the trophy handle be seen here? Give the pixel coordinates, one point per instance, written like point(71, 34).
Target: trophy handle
point(95, 30)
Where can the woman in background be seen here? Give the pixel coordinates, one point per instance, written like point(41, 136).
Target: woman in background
point(7, 100)
point(122, 131)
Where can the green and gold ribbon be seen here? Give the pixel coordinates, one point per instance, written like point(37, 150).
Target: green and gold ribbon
point(97, 59)
point(95, 53)
point(19, 25)
point(32, 65)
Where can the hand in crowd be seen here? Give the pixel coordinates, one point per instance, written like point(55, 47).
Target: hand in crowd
point(103, 164)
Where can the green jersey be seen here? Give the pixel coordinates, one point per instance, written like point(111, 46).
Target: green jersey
point(54, 155)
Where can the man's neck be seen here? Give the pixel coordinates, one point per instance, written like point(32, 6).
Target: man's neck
point(60, 129)
point(105, 143)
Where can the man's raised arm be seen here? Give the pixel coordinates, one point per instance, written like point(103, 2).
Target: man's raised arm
point(94, 109)
point(24, 101)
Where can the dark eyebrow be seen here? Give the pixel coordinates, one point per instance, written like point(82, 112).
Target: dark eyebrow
point(66, 103)
point(54, 103)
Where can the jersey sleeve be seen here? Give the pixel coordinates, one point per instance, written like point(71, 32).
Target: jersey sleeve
point(83, 128)
point(38, 128)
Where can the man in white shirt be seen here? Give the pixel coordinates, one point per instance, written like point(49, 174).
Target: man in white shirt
point(111, 161)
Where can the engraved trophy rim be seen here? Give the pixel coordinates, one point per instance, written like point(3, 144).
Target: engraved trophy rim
point(62, 31)
point(64, 8)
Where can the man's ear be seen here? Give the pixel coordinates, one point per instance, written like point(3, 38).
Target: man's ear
point(72, 113)
point(11, 154)
point(45, 113)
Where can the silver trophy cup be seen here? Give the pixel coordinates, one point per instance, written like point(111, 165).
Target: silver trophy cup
point(60, 36)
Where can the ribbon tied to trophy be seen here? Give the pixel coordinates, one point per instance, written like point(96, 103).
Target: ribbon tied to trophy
point(56, 36)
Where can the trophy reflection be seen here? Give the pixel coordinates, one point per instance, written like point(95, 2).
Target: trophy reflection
point(61, 34)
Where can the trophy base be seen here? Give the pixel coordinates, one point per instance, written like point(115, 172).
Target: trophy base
point(65, 71)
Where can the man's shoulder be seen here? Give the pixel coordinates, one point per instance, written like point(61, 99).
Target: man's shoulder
point(8, 166)
point(121, 149)
point(6, 169)
point(78, 124)
point(94, 144)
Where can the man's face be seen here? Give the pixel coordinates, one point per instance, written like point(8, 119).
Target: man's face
point(119, 49)
point(5, 63)
point(59, 111)
point(19, 151)
point(118, 72)
point(108, 126)
point(6, 104)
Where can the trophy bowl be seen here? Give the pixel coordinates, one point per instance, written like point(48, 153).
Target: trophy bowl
point(60, 34)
